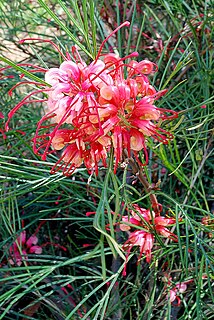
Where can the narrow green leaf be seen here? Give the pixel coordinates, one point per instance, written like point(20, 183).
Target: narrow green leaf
point(68, 32)
point(23, 71)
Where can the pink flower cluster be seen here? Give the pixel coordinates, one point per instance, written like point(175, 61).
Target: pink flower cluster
point(177, 289)
point(95, 107)
point(20, 249)
point(92, 108)
point(174, 292)
point(148, 225)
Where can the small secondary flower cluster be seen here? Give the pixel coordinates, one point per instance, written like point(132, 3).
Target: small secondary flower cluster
point(174, 291)
point(20, 249)
point(108, 103)
point(148, 224)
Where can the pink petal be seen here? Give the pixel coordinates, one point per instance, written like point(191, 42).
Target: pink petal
point(172, 295)
point(181, 287)
point(32, 240)
point(162, 221)
point(55, 75)
point(71, 69)
point(35, 249)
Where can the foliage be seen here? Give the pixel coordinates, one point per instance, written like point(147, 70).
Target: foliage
point(79, 274)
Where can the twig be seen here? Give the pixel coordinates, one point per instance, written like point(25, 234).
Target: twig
point(138, 171)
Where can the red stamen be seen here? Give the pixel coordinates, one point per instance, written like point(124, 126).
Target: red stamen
point(45, 40)
point(24, 82)
point(126, 23)
point(40, 69)
point(133, 54)
point(20, 104)
point(54, 245)
point(76, 55)
point(166, 117)
point(39, 227)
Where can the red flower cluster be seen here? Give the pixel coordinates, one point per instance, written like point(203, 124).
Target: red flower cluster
point(108, 103)
point(148, 225)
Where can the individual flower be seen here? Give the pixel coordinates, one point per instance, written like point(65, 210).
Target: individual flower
point(144, 240)
point(21, 247)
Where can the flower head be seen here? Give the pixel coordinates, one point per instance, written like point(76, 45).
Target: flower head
point(148, 224)
point(21, 247)
point(91, 108)
point(175, 290)
point(174, 293)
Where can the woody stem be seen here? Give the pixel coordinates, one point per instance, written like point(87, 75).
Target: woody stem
point(138, 171)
